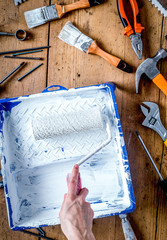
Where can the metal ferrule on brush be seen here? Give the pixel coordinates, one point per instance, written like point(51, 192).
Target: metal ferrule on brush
point(50, 12)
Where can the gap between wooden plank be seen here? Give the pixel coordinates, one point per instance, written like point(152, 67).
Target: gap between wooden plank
point(156, 227)
point(158, 197)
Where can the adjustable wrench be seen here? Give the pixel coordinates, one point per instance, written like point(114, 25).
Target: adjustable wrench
point(152, 120)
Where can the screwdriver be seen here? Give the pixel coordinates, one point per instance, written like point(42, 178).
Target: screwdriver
point(163, 182)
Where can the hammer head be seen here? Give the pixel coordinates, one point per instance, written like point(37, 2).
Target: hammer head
point(149, 67)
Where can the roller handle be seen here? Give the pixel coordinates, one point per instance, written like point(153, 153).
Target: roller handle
point(63, 9)
point(127, 229)
point(95, 151)
point(115, 61)
point(161, 83)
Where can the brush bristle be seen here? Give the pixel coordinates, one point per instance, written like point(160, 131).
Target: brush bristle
point(72, 36)
point(53, 124)
point(34, 18)
point(41, 15)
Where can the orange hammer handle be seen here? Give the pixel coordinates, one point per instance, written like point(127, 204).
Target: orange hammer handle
point(63, 9)
point(161, 82)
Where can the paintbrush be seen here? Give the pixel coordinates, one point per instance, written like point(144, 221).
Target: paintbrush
point(72, 36)
point(44, 14)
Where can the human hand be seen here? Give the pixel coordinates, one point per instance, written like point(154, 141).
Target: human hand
point(76, 215)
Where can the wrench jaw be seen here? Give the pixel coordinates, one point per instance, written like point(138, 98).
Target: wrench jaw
point(151, 107)
point(152, 119)
point(144, 110)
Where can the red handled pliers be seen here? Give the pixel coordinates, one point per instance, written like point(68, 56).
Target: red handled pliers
point(133, 32)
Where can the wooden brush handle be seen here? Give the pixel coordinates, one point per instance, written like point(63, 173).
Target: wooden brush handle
point(94, 49)
point(63, 9)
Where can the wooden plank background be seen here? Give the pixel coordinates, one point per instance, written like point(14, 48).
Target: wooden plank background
point(67, 66)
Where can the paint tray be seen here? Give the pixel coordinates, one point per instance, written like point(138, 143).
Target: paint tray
point(34, 171)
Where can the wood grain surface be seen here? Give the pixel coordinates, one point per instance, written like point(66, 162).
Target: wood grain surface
point(67, 66)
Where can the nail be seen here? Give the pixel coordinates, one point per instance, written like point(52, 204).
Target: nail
point(27, 52)
point(19, 79)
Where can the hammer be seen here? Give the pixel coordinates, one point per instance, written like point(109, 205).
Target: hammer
point(149, 68)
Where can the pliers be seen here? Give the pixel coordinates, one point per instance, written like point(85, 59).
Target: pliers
point(133, 32)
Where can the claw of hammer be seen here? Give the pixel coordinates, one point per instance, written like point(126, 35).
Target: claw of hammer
point(149, 67)
point(152, 120)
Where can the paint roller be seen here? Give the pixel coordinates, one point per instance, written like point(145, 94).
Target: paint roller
point(55, 124)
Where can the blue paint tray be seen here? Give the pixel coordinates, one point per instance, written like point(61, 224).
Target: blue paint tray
point(34, 171)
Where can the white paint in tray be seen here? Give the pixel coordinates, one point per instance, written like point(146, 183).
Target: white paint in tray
point(35, 170)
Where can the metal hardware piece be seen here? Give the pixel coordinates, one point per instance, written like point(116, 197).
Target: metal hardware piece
point(17, 2)
point(148, 154)
point(12, 72)
point(22, 53)
point(149, 67)
point(19, 79)
point(161, 5)
point(137, 44)
point(28, 58)
point(1, 184)
point(127, 229)
point(49, 12)
point(152, 120)
point(23, 50)
point(20, 34)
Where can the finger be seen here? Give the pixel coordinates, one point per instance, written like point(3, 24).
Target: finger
point(63, 203)
point(92, 212)
point(79, 185)
point(65, 195)
point(68, 179)
point(83, 194)
point(72, 186)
